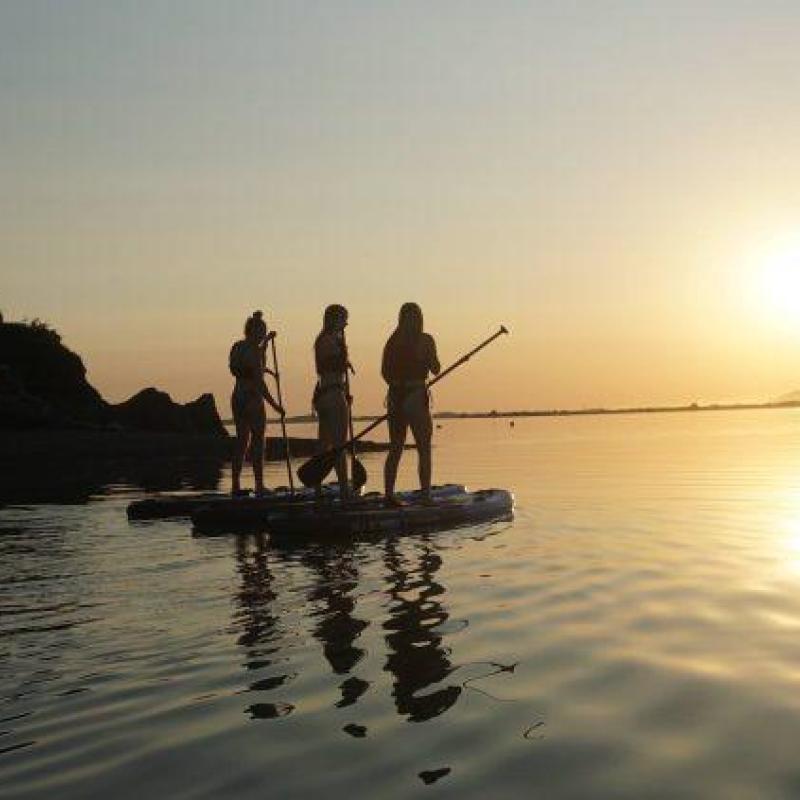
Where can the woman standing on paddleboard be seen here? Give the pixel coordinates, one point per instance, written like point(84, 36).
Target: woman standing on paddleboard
point(247, 362)
point(408, 357)
point(330, 400)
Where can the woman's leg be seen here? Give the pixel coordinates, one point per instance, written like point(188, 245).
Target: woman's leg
point(240, 446)
point(419, 414)
point(332, 413)
point(239, 452)
point(339, 435)
point(258, 424)
point(398, 428)
point(322, 445)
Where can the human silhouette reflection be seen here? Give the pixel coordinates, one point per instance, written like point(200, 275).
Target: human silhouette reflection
point(416, 657)
point(260, 630)
point(335, 572)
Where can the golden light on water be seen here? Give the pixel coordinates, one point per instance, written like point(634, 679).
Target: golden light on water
point(787, 525)
point(791, 532)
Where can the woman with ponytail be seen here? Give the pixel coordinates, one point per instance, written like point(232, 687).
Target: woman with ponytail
point(408, 357)
point(247, 362)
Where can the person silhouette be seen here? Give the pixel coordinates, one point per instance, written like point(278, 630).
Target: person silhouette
point(408, 357)
point(330, 400)
point(247, 363)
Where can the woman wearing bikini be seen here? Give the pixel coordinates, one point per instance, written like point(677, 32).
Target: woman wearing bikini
point(330, 400)
point(408, 358)
point(247, 362)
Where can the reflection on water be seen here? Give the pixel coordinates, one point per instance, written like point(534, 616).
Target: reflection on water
point(632, 634)
point(335, 578)
point(261, 634)
point(417, 659)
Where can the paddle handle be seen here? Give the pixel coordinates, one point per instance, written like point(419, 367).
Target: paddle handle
point(463, 360)
point(455, 365)
point(286, 453)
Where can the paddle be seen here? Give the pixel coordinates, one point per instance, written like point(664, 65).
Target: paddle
point(286, 453)
point(315, 469)
point(359, 473)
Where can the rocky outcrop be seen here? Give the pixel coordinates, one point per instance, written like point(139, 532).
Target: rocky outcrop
point(155, 411)
point(20, 410)
point(43, 385)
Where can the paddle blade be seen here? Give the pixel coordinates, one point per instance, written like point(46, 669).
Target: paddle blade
point(313, 472)
point(359, 474)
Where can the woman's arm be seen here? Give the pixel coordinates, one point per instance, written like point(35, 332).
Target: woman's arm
point(433, 357)
point(258, 379)
point(265, 393)
point(385, 364)
point(262, 348)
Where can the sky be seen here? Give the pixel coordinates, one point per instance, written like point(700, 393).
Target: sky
point(616, 182)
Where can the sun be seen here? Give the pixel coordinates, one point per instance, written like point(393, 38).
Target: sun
point(779, 281)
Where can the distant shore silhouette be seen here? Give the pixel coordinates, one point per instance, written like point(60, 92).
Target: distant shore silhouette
point(578, 412)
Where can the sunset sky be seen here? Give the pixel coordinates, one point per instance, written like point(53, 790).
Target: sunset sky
point(617, 182)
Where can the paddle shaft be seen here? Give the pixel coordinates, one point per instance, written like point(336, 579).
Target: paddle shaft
point(286, 453)
point(455, 365)
point(349, 408)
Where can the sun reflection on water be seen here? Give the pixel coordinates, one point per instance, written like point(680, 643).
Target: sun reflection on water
point(791, 535)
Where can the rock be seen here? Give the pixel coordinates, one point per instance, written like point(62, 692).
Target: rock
point(20, 410)
point(155, 411)
point(43, 385)
point(47, 379)
point(204, 415)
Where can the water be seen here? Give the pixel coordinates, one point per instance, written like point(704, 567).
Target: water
point(632, 634)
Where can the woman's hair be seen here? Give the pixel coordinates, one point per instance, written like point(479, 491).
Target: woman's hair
point(409, 321)
point(255, 324)
point(333, 315)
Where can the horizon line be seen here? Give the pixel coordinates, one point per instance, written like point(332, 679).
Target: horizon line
point(566, 412)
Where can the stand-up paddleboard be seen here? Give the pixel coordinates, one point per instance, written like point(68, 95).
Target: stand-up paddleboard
point(184, 505)
point(369, 516)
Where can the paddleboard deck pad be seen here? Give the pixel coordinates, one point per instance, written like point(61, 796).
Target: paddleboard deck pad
point(366, 517)
point(164, 506)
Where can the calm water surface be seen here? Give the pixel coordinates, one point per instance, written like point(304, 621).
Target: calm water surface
point(634, 633)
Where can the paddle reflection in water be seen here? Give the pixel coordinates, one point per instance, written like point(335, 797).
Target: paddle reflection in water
point(417, 658)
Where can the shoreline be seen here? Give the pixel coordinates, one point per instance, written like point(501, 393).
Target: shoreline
point(575, 412)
